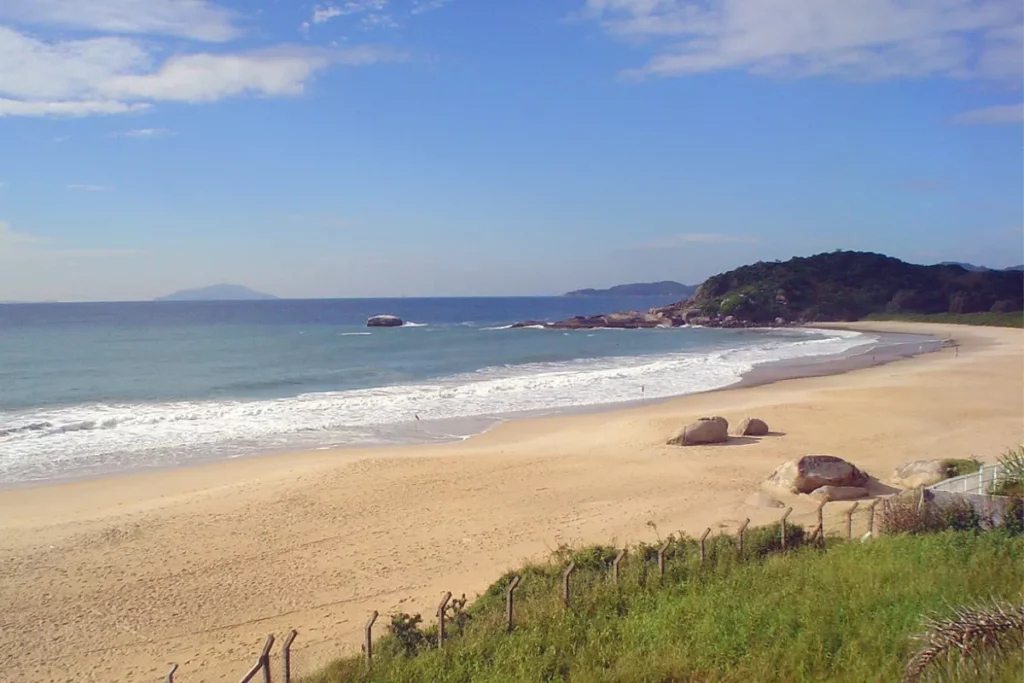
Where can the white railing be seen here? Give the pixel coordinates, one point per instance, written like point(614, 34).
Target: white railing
point(975, 482)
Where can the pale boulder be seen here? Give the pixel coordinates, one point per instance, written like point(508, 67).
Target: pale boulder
point(751, 426)
point(811, 472)
point(829, 493)
point(919, 473)
point(703, 431)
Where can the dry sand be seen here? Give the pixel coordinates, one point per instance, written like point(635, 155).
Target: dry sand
point(111, 579)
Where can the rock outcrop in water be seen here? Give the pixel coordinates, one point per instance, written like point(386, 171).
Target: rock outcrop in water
point(384, 321)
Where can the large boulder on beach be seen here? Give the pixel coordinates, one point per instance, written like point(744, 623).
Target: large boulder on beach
point(703, 431)
point(751, 426)
point(811, 472)
point(828, 493)
point(919, 473)
point(384, 321)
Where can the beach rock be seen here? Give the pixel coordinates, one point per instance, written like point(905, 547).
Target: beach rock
point(751, 426)
point(811, 472)
point(705, 430)
point(761, 500)
point(384, 321)
point(840, 493)
point(919, 473)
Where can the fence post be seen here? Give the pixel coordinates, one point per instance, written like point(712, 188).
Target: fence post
point(615, 565)
point(871, 517)
point(170, 674)
point(849, 520)
point(661, 558)
point(821, 522)
point(286, 657)
point(440, 618)
point(702, 537)
point(739, 538)
point(508, 602)
point(368, 637)
point(265, 658)
point(565, 582)
point(785, 515)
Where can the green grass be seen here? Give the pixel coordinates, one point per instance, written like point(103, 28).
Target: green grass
point(847, 614)
point(1015, 319)
point(955, 467)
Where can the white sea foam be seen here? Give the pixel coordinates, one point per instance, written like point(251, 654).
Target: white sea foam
point(355, 334)
point(76, 439)
point(412, 324)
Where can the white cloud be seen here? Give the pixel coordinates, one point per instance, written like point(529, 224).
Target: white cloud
point(90, 188)
point(684, 239)
point(195, 19)
point(324, 13)
point(1006, 113)
point(858, 39)
point(120, 75)
point(9, 239)
point(422, 6)
point(143, 133)
point(24, 246)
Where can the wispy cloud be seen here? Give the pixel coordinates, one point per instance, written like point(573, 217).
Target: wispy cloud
point(195, 19)
point(324, 13)
point(119, 73)
point(1003, 114)
point(20, 244)
point(861, 39)
point(143, 133)
point(688, 238)
point(90, 188)
point(422, 6)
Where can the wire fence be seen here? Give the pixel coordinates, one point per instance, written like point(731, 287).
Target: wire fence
point(294, 660)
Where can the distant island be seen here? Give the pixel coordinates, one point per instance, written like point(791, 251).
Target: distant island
point(970, 267)
point(663, 288)
point(217, 293)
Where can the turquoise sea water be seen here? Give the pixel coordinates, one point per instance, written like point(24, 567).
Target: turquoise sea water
point(88, 388)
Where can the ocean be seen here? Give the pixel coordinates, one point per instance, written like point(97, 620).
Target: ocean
point(96, 388)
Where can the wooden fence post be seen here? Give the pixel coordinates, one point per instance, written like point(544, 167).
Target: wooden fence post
point(368, 637)
point(739, 538)
point(661, 558)
point(440, 618)
point(871, 517)
point(782, 522)
point(615, 565)
point(565, 582)
point(286, 657)
point(702, 538)
point(849, 520)
point(508, 602)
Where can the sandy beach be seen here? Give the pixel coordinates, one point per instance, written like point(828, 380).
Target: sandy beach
point(111, 579)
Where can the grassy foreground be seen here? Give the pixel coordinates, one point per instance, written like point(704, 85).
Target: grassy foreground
point(845, 614)
point(1015, 319)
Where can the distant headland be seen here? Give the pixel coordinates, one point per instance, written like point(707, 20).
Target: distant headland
point(217, 293)
point(663, 288)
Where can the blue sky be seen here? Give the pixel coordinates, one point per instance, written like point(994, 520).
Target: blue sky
point(460, 147)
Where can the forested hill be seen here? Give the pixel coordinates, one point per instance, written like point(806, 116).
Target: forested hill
point(848, 285)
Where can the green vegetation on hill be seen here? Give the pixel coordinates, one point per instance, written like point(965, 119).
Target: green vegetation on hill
point(848, 614)
point(849, 285)
point(986, 319)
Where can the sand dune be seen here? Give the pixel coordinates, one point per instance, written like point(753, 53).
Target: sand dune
point(111, 579)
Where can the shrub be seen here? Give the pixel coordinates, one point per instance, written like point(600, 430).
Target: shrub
point(956, 467)
point(972, 641)
point(904, 514)
point(1012, 481)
